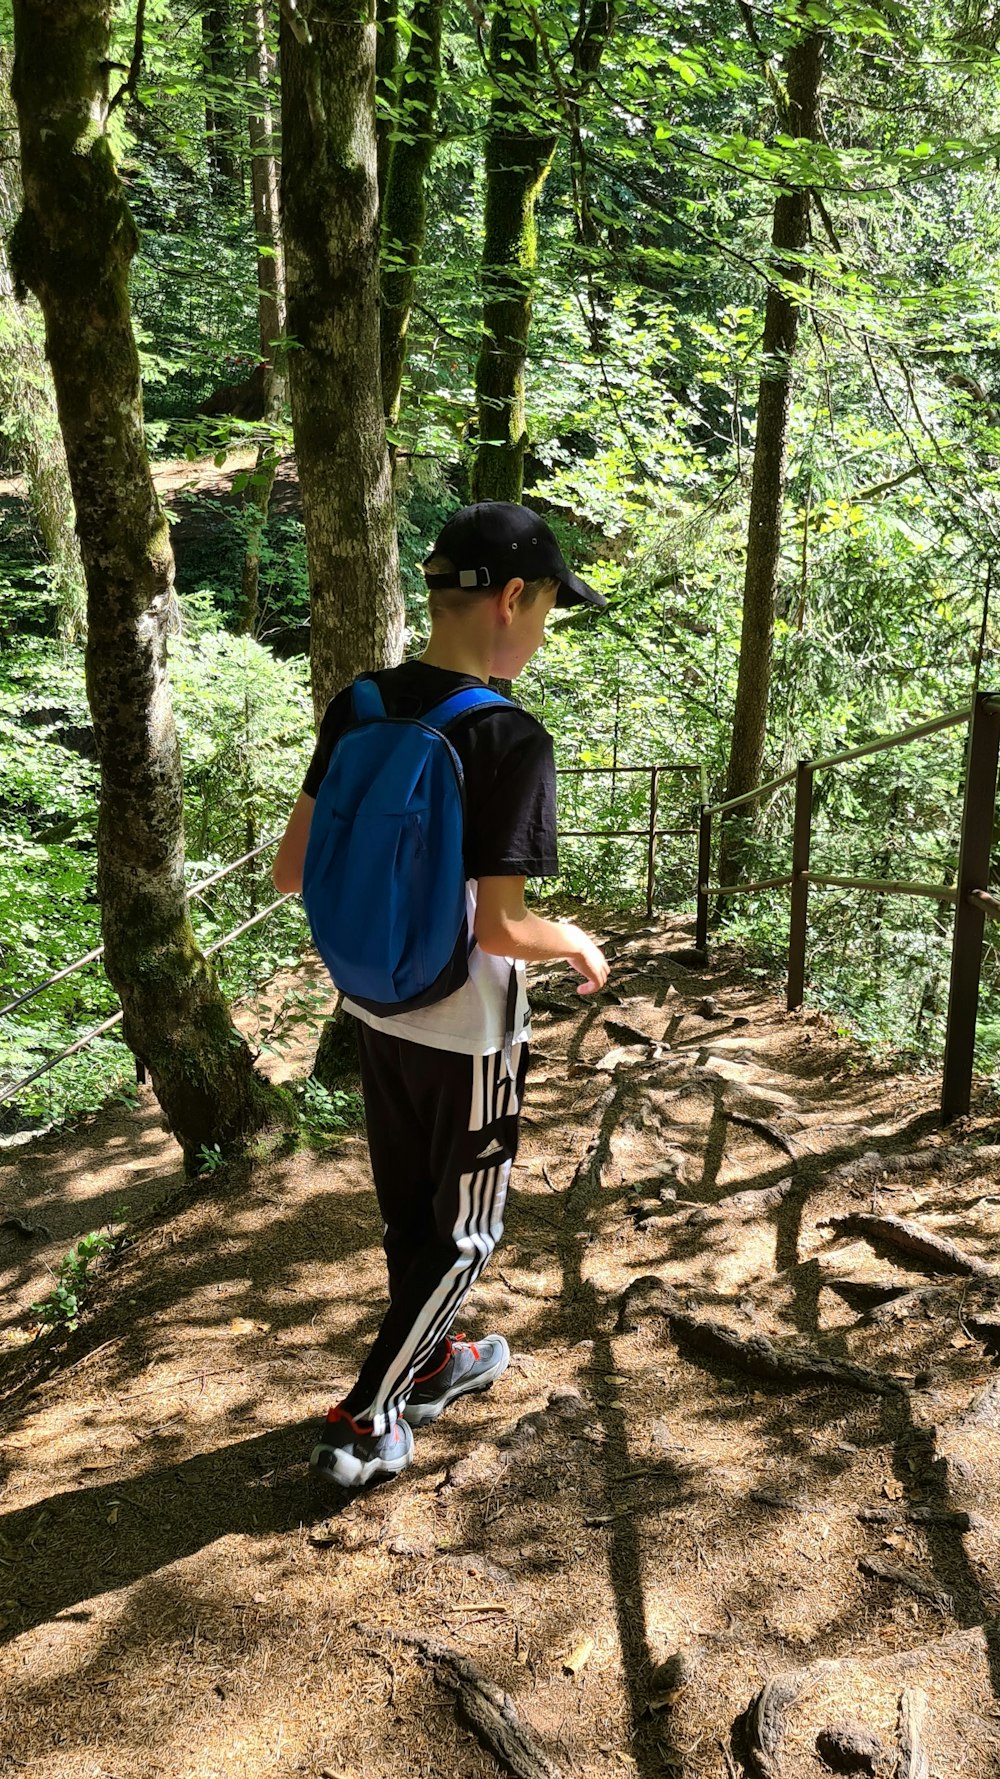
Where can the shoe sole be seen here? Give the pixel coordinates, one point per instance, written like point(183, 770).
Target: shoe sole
point(348, 1472)
point(420, 1414)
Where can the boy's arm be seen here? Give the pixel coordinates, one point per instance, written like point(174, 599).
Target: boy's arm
point(506, 928)
point(286, 872)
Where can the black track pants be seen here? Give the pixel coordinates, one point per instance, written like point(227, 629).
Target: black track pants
point(442, 1135)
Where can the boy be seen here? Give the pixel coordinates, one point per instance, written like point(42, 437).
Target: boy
point(443, 1084)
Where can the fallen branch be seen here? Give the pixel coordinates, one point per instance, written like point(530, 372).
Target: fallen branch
point(911, 1238)
point(906, 1578)
point(484, 1708)
point(913, 1762)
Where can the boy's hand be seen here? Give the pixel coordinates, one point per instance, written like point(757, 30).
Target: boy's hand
point(591, 962)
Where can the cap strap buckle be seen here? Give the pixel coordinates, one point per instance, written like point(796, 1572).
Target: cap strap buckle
point(474, 577)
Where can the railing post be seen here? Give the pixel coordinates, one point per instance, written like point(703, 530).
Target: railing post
point(654, 797)
point(973, 874)
point(801, 839)
point(704, 873)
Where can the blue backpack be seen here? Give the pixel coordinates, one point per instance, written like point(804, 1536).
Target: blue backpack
point(383, 881)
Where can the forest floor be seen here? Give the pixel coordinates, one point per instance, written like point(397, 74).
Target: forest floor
point(705, 1526)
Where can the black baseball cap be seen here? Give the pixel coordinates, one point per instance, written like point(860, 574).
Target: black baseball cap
point(495, 540)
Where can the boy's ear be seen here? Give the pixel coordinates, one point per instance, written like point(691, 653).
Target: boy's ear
point(509, 597)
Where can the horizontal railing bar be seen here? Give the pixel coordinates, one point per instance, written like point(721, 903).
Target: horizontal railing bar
point(252, 922)
point(883, 886)
point(92, 956)
point(746, 889)
point(197, 888)
point(986, 902)
point(618, 833)
point(773, 784)
point(572, 771)
point(7, 1092)
point(906, 735)
point(30, 993)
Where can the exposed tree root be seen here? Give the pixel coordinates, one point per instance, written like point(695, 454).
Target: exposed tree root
point(751, 1203)
point(851, 1748)
point(954, 1517)
point(913, 1762)
point(905, 1303)
point(484, 1708)
point(764, 1129)
point(757, 1356)
point(759, 1733)
point(984, 1409)
point(901, 1232)
point(906, 1578)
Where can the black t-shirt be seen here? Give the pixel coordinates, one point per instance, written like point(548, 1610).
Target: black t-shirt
point(507, 761)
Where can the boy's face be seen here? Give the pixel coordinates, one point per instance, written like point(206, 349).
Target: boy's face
point(520, 630)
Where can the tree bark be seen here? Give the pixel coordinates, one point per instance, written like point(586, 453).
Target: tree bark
point(72, 246)
point(790, 229)
point(404, 204)
point(518, 156)
point(28, 405)
point(265, 184)
point(329, 196)
point(386, 83)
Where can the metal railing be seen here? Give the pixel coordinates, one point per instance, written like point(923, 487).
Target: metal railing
point(90, 957)
point(972, 900)
point(651, 832)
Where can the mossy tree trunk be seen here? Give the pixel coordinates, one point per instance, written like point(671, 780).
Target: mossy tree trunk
point(790, 233)
point(329, 198)
point(386, 81)
point(404, 203)
point(72, 246)
point(28, 404)
point(518, 156)
point(265, 185)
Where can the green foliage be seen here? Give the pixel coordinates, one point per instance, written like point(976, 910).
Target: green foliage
point(63, 1305)
point(326, 1114)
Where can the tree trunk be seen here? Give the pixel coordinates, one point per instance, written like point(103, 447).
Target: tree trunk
point(329, 199)
point(518, 156)
point(804, 67)
point(404, 204)
point(386, 85)
point(73, 246)
point(28, 405)
point(264, 176)
point(219, 62)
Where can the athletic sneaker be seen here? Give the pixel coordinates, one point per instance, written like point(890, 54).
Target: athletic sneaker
point(350, 1454)
point(469, 1366)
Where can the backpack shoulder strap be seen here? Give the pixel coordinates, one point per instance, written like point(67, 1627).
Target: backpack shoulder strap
point(366, 701)
point(458, 704)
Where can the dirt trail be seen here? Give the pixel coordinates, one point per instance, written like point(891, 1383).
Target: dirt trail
point(677, 1550)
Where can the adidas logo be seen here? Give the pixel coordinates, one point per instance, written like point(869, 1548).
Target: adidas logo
point(493, 1148)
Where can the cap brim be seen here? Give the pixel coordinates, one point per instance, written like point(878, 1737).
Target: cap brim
point(573, 591)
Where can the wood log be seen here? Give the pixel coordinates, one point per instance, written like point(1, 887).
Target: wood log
point(483, 1707)
point(913, 1762)
point(907, 1578)
point(912, 1238)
